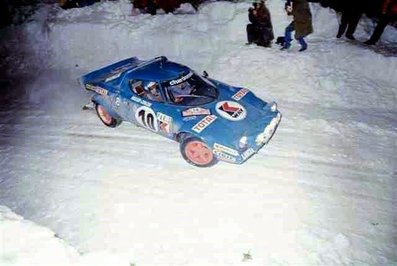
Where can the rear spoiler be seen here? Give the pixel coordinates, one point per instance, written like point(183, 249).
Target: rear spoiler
point(114, 71)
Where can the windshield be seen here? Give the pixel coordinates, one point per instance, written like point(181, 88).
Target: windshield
point(190, 90)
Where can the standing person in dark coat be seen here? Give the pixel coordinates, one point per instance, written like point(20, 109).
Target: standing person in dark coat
point(151, 7)
point(351, 14)
point(389, 14)
point(265, 24)
point(302, 23)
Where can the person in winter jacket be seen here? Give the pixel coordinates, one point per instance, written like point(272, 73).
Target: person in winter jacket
point(66, 4)
point(389, 14)
point(351, 14)
point(301, 24)
point(265, 24)
point(260, 30)
point(253, 27)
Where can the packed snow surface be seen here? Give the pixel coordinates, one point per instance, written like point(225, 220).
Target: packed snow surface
point(323, 191)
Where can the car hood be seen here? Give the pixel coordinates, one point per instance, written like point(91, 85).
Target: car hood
point(237, 112)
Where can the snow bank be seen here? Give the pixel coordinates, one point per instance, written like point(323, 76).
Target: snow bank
point(79, 40)
point(322, 192)
point(26, 243)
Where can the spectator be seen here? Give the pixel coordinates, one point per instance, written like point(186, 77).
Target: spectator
point(351, 14)
point(66, 4)
point(389, 14)
point(265, 24)
point(253, 27)
point(260, 30)
point(151, 7)
point(301, 24)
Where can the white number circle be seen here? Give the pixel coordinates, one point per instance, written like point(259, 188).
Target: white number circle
point(146, 117)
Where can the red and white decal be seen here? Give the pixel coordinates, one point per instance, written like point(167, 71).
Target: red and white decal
point(195, 111)
point(165, 122)
point(240, 94)
point(146, 117)
point(231, 110)
point(205, 122)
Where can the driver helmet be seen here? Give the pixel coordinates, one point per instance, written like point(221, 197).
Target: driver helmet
point(150, 85)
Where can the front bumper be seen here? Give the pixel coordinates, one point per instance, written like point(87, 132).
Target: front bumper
point(256, 143)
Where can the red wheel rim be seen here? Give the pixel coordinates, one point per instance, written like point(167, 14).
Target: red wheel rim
point(104, 115)
point(198, 153)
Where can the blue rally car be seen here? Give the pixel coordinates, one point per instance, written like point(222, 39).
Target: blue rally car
point(211, 120)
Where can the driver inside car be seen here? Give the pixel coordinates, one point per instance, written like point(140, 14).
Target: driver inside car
point(152, 92)
point(181, 90)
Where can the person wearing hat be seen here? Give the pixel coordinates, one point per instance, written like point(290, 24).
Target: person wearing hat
point(152, 92)
point(253, 27)
point(265, 25)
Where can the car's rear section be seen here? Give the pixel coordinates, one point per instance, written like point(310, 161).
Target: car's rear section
point(109, 73)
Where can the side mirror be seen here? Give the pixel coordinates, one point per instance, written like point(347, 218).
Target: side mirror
point(205, 74)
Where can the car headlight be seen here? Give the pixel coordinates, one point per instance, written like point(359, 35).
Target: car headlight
point(243, 143)
point(273, 108)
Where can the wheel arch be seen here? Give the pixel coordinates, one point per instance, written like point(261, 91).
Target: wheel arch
point(182, 135)
point(96, 99)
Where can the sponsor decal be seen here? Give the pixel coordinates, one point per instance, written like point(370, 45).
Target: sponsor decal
point(188, 118)
point(240, 94)
point(231, 110)
point(195, 111)
point(205, 122)
point(181, 79)
point(165, 122)
point(97, 89)
point(225, 149)
point(224, 156)
point(146, 117)
point(141, 101)
point(247, 153)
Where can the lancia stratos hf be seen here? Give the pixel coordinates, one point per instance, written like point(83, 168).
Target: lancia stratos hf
point(211, 120)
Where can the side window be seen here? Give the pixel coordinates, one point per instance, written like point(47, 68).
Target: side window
point(152, 91)
point(137, 87)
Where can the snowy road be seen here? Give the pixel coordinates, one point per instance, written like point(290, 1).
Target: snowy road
point(322, 192)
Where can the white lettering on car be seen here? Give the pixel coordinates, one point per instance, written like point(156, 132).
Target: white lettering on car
point(141, 101)
point(203, 123)
point(240, 94)
point(247, 153)
point(223, 148)
point(223, 156)
point(180, 80)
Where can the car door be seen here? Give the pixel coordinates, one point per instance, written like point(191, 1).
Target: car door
point(142, 109)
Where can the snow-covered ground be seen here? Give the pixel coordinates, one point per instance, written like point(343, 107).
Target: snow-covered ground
point(322, 192)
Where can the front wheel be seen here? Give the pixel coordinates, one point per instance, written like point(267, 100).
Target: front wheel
point(197, 152)
point(105, 117)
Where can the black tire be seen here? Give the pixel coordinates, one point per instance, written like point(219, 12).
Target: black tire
point(105, 117)
point(205, 157)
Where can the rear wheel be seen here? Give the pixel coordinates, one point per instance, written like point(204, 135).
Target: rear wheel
point(105, 117)
point(197, 152)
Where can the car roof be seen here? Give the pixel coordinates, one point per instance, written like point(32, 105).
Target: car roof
point(158, 69)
